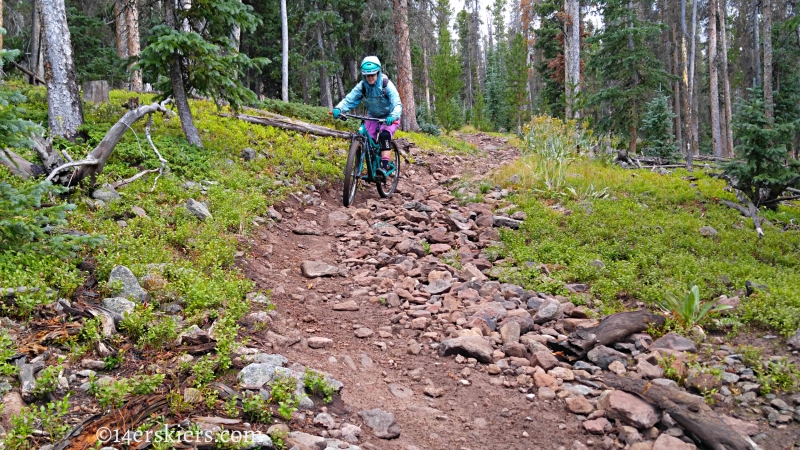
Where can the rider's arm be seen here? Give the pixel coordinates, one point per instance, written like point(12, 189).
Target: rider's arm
point(352, 99)
point(394, 98)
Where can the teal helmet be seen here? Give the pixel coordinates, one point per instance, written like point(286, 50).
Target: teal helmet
point(370, 65)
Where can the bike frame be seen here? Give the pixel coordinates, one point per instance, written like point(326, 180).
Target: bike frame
point(369, 144)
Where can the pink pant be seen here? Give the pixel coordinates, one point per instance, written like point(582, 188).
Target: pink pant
point(374, 128)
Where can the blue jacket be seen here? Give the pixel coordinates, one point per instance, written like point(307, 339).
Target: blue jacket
point(378, 105)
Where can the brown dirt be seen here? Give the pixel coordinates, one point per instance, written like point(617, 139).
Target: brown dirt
point(475, 416)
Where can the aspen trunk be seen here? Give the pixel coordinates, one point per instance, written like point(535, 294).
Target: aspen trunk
point(425, 73)
point(405, 76)
point(324, 82)
point(35, 60)
point(65, 112)
point(132, 24)
point(572, 57)
point(693, 89)
point(756, 45)
point(726, 82)
point(685, 91)
point(716, 138)
point(677, 89)
point(284, 53)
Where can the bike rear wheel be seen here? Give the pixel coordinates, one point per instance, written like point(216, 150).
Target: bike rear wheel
point(352, 173)
point(387, 186)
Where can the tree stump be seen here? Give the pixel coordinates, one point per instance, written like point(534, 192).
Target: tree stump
point(95, 91)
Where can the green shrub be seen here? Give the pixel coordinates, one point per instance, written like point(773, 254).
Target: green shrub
point(316, 384)
point(256, 408)
point(282, 393)
point(7, 350)
point(689, 310)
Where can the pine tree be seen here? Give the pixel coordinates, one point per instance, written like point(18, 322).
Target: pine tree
point(446, 75)
point(549, 45)
point(656, 124)
point(628, 70)
point(517, 79)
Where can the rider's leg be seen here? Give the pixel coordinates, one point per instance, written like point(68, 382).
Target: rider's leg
point(383, 139)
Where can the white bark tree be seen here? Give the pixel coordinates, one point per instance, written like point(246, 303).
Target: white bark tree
point(65, 112)
point(572, 57)
point(716, 136)
point(405, 77)
point(284, 53)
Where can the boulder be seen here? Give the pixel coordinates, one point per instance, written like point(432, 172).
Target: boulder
point(603, 356)
point(667, 442)
point(197, 209)
point(315, 269)
point(383, 423)
point(676, 342)
point(130, 285)
point(469, 346)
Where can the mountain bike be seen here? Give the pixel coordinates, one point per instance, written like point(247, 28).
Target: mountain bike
point(365, 166)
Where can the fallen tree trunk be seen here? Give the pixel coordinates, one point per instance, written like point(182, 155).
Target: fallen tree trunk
point(609, 330)
point(750, 211)
point(690, 411)
point(287, 123)
point(291, 124)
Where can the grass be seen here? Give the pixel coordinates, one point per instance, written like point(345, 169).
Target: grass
point(645, 233)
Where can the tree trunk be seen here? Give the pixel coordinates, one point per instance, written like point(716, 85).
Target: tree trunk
point(685, 92)
point(405, 77)
point(132, 24)
point(425, 73)
point(716, 138)
point(692, 88)
point(64, 109)
point(324, 82)
point(726, 82)
point(756, 44)
point(34, 62)
point(178, 88)
point(676, 67)
point(337, 75)
point(572, 57)
point(284, 53)
point(1, 25)
point(352, 65)
point(769, 106)
point(121, 27)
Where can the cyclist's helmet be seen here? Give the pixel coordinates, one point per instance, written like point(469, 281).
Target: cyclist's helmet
point(370, 65)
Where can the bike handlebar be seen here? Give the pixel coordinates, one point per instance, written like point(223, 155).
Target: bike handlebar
point(344, 116)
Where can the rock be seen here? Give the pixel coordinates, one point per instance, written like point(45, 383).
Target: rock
point(649, 371)
point(794, 341)
point(742, 426)
point(248, 154)
point(597, 426)
point(260, 373)
point(545, 393)
point(617, 367)
point(549, 310)
point(579, 405)
point(337, 219)
point(667, 442)
point(13, 406)
point(603, 356)
point(351, 432)
point(106, 193)
point(703, 382)
point(192, 396)
point(509, 332)
point(470, 346)
point(306, 231)
point(432, 391)
point(119, 305)
point(197, 209)
point(708, 231)
point(363, 333)
point(274, 215)
point(500, 221)
point(471, 272)
point(305, 441)
point(516, 350)
point(315, 269)
point(676, 342)
point(349, 305)
point(437, 249)
point(629, 409)
point(130, 285)
point(438, 286)
point(320, 342)
point(382, 423)
point(543, 379)
point(410, 246)
point(544, 359)
point(257, 440)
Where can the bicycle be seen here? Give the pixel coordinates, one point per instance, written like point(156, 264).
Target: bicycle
point(368, 169)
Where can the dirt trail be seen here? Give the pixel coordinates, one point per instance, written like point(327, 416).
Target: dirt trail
point(472, 410)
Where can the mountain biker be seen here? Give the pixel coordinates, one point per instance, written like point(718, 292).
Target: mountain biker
point(381, 100)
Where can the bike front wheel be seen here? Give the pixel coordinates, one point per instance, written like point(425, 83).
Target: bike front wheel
point(388, 185)
point(352, 173)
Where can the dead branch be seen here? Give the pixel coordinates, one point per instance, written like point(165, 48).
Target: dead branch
point(750, 211)
point(28, 73)
point(85, 162)
point(291, 124)
point(610, 330)
point(690, 411)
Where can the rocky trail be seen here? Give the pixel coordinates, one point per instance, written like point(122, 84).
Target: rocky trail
point(395, 301)
point(460, 361)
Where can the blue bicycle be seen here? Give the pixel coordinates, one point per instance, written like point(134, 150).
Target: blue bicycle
point(365, 166)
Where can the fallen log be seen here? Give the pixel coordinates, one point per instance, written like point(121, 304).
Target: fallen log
point(690, 411)
point(750, 211)
point(609, 330)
